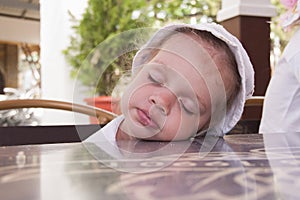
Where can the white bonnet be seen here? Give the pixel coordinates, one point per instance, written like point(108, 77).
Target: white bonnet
point(245, 70)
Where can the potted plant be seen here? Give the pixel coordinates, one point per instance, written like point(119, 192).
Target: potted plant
point(101, 21)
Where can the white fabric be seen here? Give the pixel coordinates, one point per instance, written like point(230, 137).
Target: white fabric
point(281, 109)
point(105, 138)
point(108, 132)
point(245, 69)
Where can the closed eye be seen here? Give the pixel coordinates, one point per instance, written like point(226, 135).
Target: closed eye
point(188, 106)
point(156, 77)
point(153, 79)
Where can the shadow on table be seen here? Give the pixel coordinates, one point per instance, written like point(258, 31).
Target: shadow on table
point(246, 127)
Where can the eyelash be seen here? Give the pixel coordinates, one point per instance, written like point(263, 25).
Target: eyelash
point(152, 79)
point(185, 108)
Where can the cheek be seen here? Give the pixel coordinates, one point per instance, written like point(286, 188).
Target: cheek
point(180, 126)
point(174, 120)
point(190, 125)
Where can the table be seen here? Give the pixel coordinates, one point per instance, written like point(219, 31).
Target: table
point(250, 166)
point(22, 135)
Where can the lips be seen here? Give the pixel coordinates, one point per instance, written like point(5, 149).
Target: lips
point(145, 119)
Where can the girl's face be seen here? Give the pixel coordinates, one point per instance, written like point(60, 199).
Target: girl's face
point(170, 97)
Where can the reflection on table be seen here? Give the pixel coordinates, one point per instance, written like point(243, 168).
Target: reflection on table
point(236, 167)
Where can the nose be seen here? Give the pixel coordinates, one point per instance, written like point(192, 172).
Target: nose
point(163, 99)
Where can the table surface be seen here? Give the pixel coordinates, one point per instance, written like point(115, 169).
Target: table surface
point(250, 166)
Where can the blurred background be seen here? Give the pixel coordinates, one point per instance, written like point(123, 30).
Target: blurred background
point(44, 43)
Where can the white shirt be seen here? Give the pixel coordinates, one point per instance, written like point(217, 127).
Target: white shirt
point(108, 132)
point(281, 109)
point(105, 139)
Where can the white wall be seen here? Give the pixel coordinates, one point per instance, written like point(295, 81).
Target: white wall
point(56, 81)
point(233, 8)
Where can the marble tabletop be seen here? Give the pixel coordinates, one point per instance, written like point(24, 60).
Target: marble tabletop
point(249, 166)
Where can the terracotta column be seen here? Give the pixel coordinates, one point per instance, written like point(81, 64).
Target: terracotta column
point(249, 20)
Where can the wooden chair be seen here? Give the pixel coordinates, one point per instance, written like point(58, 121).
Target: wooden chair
point(255, 101)
point(246, 125)
point(45, 134)
point(102, 115)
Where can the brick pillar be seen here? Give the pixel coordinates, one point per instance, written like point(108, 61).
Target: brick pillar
point(248, 21)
